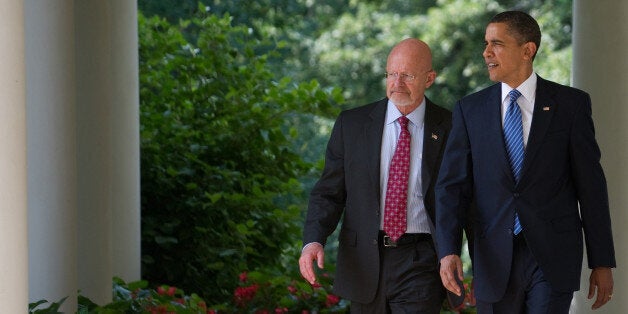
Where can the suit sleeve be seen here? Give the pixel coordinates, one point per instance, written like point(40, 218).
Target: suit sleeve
point(327, 198)
point(591, 188)
point(454, 187)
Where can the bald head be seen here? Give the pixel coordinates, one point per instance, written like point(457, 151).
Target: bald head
point(412, 50)
point(409, 68)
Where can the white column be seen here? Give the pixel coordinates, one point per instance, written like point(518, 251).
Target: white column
point(82, 119)
point(108, 145)
point(600, 67)
point(51, 151)
point(125, 141)
point(13, 203)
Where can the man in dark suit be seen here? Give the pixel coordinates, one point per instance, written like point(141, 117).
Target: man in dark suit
point(530, 159)
point(377, 271)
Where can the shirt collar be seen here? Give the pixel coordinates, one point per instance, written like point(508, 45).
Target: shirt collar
point(527, 89)
point(417, 116)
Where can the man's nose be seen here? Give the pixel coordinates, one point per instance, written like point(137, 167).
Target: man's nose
point(487, 51)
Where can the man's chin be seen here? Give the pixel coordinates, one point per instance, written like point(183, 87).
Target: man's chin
point(493, 77)
point(399, 101)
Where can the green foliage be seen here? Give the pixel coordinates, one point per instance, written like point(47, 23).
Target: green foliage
point(256, 292)
point(52, 308)
point(276, 291)
point(345, 43)
point(218, 169)
point(263, 291)
point(134, 297)
point(352, 52)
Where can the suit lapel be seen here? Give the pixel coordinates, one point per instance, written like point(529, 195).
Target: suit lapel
point(541, 117)
point(433, 135)
point(373, 131)
point(491, 117)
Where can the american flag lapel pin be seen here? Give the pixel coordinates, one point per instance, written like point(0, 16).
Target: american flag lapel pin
point(435, 136)
point(546, 108)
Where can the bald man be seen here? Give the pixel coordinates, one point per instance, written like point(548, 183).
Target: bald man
point(386, 258)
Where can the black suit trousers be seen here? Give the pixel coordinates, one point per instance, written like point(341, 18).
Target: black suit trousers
point(409, 281)
point(528, 291)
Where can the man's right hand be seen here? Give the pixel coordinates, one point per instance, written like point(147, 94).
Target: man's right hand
point(450, 268)
point(311, 252)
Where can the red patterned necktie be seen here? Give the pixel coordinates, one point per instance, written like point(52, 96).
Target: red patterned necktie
point(397, 189)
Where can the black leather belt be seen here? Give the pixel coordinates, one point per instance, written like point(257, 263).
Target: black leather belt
point(406, 238)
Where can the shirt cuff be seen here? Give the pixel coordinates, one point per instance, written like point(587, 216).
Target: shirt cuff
point(309, 244)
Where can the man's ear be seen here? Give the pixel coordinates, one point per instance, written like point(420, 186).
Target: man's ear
point(430, 78)
point(529, 50)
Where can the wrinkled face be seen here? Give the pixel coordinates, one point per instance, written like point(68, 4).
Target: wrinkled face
point(410, 74)
point(507, 60)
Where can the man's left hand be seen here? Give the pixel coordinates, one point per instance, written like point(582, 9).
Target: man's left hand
point(601, 280)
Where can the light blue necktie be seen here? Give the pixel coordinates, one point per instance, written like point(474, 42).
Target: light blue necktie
point(513, 134)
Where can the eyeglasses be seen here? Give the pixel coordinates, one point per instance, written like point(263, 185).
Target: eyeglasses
point(406, 78)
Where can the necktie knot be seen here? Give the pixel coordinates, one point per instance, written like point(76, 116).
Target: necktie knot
point(514, 95)
point(403, 121)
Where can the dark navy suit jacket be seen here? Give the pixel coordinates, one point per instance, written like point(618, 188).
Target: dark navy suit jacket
point(561, 192)
point(350, 186)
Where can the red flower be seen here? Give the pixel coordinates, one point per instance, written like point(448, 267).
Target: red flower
point(243, 276)
point(281, 310)
point(316, 285)
point(161, 290)
point(243, 295)
point(292, 289)
point(165, 290)
point(331, 300)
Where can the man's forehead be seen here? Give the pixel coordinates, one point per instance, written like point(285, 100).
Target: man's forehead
point(496, 32)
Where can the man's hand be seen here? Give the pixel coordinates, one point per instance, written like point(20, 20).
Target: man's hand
point(311, 252)
point(601, 280)
point(450, 268)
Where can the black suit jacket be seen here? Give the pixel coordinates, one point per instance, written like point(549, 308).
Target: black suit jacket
point(561, 192)
point(350, 186)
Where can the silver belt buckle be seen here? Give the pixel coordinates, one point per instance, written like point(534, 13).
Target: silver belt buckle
point(388, 242)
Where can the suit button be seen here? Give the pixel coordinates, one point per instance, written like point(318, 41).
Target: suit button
point(515, 194)
point(374, 241)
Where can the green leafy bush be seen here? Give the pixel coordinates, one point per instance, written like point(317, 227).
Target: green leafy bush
point(219, 175)
point(134, 297)
point(264, 292)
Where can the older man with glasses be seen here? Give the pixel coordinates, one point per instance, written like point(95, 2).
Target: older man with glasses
point(380, 167)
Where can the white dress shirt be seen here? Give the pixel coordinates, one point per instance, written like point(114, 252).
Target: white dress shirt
point(418, 221)
point(525, 101)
